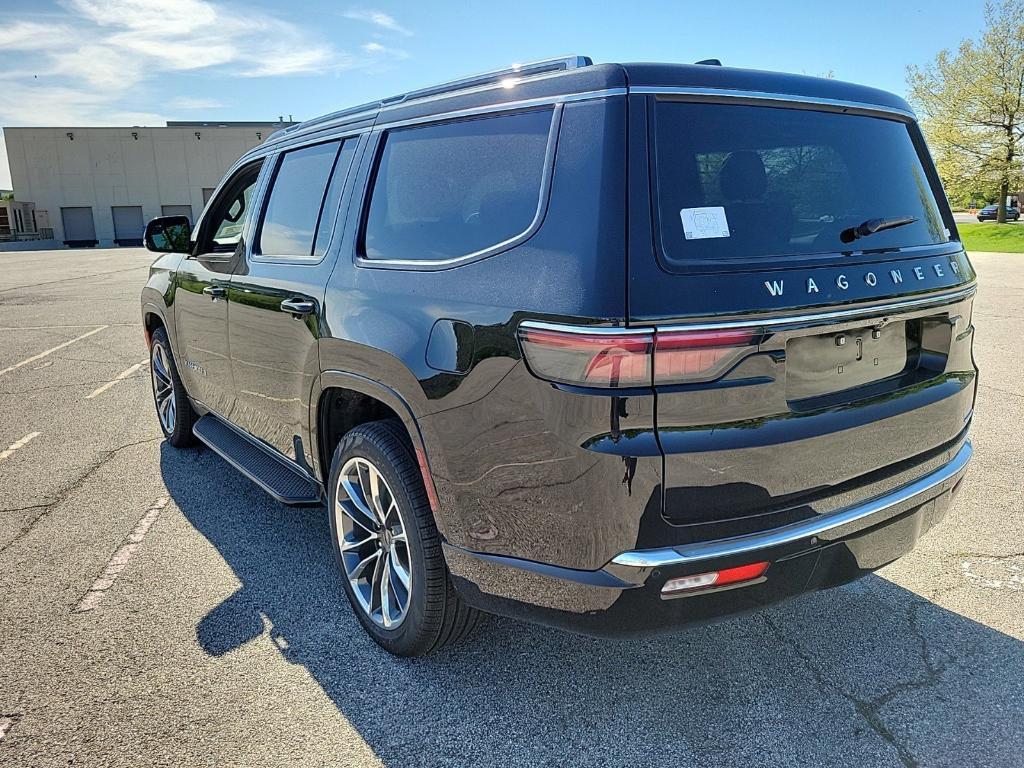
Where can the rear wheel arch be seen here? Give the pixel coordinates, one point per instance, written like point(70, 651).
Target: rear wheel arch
point(346, 401)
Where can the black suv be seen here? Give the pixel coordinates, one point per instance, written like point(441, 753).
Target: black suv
point(611, 347)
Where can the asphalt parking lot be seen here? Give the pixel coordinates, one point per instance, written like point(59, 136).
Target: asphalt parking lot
point(159, 609)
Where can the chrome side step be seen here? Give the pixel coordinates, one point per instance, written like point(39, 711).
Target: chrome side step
point(269, 471)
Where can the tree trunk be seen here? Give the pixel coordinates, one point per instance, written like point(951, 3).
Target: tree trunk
point(1004, 184)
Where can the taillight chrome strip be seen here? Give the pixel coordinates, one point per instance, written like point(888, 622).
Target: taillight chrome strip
point(918, 492)
point(755, 321)
point(836, 315)
point(588, 330)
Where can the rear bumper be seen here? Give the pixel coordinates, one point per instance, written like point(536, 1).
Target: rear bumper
point(624, 597)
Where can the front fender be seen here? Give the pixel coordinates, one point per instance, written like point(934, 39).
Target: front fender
point(158, 293)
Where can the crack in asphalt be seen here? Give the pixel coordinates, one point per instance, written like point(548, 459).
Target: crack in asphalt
point(65, 386)
point(997, 389)
point(69, 279)
point(870, 709)
point(63, 493)
point(980, 555)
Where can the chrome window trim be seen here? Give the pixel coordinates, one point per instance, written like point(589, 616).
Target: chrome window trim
point(686, 554)
point(935, 299)
point(369, 114)
point(277, 156)
point(775, 99)
point(505, 106)
point(437, 264)
point(267, 150)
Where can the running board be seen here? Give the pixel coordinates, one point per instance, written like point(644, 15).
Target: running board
point(270, 472)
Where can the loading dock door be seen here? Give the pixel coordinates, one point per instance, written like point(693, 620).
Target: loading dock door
point(177, 210)
point(128, 226)
point(79, 229)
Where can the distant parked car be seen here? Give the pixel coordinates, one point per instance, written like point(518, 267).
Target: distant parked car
point(988, 213)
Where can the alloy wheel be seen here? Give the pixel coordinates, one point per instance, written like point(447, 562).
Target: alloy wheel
point(163, 387)
point(373, 542)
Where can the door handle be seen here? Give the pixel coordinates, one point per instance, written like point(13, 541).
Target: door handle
point(215, 291)
point(298, 307)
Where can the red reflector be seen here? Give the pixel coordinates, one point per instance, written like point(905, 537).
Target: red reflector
point(428, 481)
point(741, 573)
point(712, 579)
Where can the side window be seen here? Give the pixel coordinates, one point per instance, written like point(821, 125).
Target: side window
point(450, 190)
point(223, 228)
point(333, 198)
point(303, 201)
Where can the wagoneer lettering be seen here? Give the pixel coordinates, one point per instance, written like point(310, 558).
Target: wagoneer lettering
point(616, 348)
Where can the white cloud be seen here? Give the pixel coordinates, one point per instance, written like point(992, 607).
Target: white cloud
point(32, 36)
point(188, 103)
point(105, 62)
point(80, 68)
point(378, 18)
point(383, 51)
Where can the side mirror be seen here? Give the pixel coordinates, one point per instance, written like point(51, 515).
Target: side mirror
point(168, 234)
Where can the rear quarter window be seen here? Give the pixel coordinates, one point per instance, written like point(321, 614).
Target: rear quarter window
point(457, 189)
point(782, 184)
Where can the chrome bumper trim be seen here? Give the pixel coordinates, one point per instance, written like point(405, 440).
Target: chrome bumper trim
point(913, 494)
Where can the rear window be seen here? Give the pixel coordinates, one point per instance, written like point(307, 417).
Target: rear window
point(451, 190)
point(737, 182)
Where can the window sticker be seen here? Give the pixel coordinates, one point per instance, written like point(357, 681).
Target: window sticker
point(701, 223)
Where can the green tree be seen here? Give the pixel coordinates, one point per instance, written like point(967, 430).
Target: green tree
point(971, 106)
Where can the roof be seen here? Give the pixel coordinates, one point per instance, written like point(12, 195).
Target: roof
point(577, 75)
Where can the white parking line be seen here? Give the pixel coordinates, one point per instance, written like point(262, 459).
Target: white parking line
point(121, 558)
point(41, 355)
point(18, 444)
point(5, 725)
point(120, 377)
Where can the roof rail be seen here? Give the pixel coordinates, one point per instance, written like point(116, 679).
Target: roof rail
point(473, 81)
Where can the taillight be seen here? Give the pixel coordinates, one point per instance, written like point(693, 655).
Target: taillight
point(681, 356)
point(615, 358)
point(618, 359)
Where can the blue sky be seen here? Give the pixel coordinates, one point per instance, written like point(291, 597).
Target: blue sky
point(142, 62)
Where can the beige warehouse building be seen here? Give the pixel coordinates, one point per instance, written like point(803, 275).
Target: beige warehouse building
point(99, 186)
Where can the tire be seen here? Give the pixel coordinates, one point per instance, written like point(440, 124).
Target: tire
point(173, 410)
point(405, 539)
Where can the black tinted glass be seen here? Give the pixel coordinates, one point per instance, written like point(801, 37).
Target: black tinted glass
point(226, 219)
point(444, 191)
point(296, 197)
point(330, 209)
point(739, 182)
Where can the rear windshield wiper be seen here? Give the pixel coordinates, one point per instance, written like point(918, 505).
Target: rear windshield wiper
point(871, 226)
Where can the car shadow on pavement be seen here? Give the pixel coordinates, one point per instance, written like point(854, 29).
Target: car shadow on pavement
point(868, 674)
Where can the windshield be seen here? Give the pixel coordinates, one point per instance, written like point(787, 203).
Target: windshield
point(750, 182)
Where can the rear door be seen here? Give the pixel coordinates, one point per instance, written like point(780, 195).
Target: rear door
point(277, 293)
point(812, 301)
